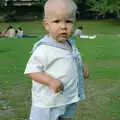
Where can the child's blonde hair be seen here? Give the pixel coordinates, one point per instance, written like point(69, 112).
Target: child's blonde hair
point(59, 3)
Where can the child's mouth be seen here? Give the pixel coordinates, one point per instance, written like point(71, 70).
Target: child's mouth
point(63, 34)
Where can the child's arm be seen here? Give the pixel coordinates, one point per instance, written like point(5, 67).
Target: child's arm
point(43, 78)
point(85, 71)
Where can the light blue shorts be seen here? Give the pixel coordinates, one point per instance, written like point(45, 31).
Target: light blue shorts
point(53, 113)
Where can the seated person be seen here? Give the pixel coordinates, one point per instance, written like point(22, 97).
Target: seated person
point(10, 32)
point(78, 33)
point(2, 34)
point(19, 32)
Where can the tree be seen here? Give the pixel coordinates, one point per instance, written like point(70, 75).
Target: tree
point(42, 2)
point(102, 7)
point(2, 2)
point(114, 7)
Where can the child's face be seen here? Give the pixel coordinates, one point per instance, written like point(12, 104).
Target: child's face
point(59, 24)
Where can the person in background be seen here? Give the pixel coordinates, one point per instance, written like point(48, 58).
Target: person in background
point(79, 34)
point(55, 66)
point(20, 32)
point(10, 32)
point(2, 33)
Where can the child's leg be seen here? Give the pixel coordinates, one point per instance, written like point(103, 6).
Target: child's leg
point(46, 113)
point(69, 112)
point(39, 113)
point(56, 113)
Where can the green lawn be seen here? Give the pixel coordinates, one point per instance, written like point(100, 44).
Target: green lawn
point(101, 55)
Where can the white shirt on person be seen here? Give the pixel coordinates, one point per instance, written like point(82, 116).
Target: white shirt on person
point(61, 63)
point(11, 32)
point(78, 32)
point(20, 33)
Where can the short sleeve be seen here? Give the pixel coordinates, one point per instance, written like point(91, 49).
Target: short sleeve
point(37, 61)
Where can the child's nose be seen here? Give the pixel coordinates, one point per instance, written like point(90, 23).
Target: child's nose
point(63, 25)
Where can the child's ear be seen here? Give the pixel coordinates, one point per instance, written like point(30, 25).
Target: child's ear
point(45, 23)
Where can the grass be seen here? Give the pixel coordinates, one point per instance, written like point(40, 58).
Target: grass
point(100, 54)
point(103, 86)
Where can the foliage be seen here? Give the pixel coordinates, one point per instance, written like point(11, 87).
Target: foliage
point(41, 2)
point(104, 6)
point(1, 3)
point(86, 7)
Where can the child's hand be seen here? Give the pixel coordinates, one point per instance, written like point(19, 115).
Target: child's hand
point(45, 79)
point(85, 72)
point(56, 86)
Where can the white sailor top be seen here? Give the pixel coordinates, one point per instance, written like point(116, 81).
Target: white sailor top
point(62, 64)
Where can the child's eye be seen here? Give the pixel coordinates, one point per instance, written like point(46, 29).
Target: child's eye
point(56, 21)
point(69, 21)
